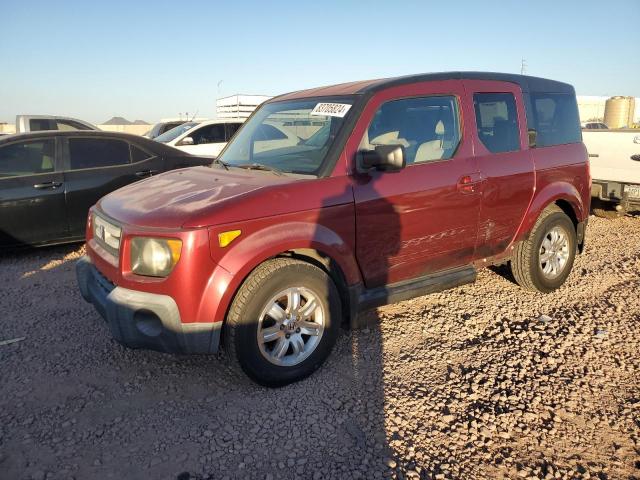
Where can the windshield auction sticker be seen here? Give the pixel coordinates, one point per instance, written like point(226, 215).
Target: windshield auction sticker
point(331, 109)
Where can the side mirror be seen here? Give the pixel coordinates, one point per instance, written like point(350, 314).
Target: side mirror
point(187, 141)
point(388, 158)
point(533, 137)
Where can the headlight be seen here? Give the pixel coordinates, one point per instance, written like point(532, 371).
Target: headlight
point(154, 257)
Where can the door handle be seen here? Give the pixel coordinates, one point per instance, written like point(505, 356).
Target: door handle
point(635, 157)
point(469, 183)
point(146, 173)
point(52, 185)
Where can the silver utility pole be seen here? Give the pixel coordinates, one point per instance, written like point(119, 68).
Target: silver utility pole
point(523, 66)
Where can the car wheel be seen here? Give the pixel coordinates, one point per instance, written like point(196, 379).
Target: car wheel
point(283, 322)
point(543, 262)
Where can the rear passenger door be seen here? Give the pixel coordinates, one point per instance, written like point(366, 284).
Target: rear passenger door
point(32, 207)
point(96, 166)
point(504, 160)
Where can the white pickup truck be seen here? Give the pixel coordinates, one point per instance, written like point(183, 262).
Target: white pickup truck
point(37, 123)
point(615, 169)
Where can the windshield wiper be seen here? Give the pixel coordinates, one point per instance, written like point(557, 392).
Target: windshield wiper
point(225, 165)
point(260, 166)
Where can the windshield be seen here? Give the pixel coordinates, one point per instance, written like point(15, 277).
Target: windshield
point(174, 133)
point(291, 137)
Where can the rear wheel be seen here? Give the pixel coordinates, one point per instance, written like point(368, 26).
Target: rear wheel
point(543, 262)
point(283, 322)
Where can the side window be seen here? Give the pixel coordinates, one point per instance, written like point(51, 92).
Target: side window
point(27, 158)
point(556, 119)
point(497, 121)
point(231, 129)
point(209, 134)
point(68, 125)
point(97, 152)
point(40, 124)
point(138, 154)
point(427, 127)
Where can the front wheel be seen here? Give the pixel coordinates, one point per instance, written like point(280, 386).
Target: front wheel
point(283, 322)
point(543, 262)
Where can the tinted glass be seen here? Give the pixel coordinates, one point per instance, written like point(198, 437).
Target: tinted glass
point(27, 158)
point(66, 125)
point(208, 134)
point(97, 152)
point(39, 124)
point(497, 121)
point(556, 119)
point(426, 127)
point(231, 129)
point(138, 155)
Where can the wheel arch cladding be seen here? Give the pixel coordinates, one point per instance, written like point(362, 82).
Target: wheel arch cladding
point(562, 194)
point(312, 243)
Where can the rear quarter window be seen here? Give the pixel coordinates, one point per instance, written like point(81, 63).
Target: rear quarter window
point(138, 154)
point(556, 119)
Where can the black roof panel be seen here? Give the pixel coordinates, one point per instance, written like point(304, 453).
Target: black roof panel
point(527, 83)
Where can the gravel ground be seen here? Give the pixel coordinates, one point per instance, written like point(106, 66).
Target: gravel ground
point(483, 381)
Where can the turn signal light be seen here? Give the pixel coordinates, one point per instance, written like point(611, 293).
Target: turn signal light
point(225, 238)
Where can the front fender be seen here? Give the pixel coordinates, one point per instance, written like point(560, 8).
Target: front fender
point(329, 231)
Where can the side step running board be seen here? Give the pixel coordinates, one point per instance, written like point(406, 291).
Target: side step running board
point(397, 292)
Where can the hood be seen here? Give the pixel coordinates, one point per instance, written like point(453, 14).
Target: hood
point(203, 196)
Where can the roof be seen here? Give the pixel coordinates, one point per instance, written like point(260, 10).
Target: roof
point(144, 142)
point(527, 83)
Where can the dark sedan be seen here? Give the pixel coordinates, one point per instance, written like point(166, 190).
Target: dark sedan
point(48, 180)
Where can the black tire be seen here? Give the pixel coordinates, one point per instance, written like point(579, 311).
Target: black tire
point(525, 261)
point(241, 326)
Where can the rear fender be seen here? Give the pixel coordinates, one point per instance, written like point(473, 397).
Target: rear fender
point(551, 193)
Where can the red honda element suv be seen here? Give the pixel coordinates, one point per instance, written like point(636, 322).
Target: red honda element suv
point(337, 199)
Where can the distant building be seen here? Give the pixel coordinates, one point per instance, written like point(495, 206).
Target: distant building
point(238, 106)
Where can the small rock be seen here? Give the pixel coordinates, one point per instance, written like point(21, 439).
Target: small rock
point(390, 462)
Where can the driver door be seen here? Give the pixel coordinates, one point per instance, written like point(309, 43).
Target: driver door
point(422, 219)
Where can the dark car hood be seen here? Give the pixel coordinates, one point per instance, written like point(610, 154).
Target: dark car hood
point(202, 196)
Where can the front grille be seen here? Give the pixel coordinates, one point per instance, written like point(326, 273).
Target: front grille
point(107, 234)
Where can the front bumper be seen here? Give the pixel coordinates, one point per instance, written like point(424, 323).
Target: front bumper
point(144, 320)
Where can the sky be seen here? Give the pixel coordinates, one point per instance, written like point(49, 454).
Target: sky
point(149, 60)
